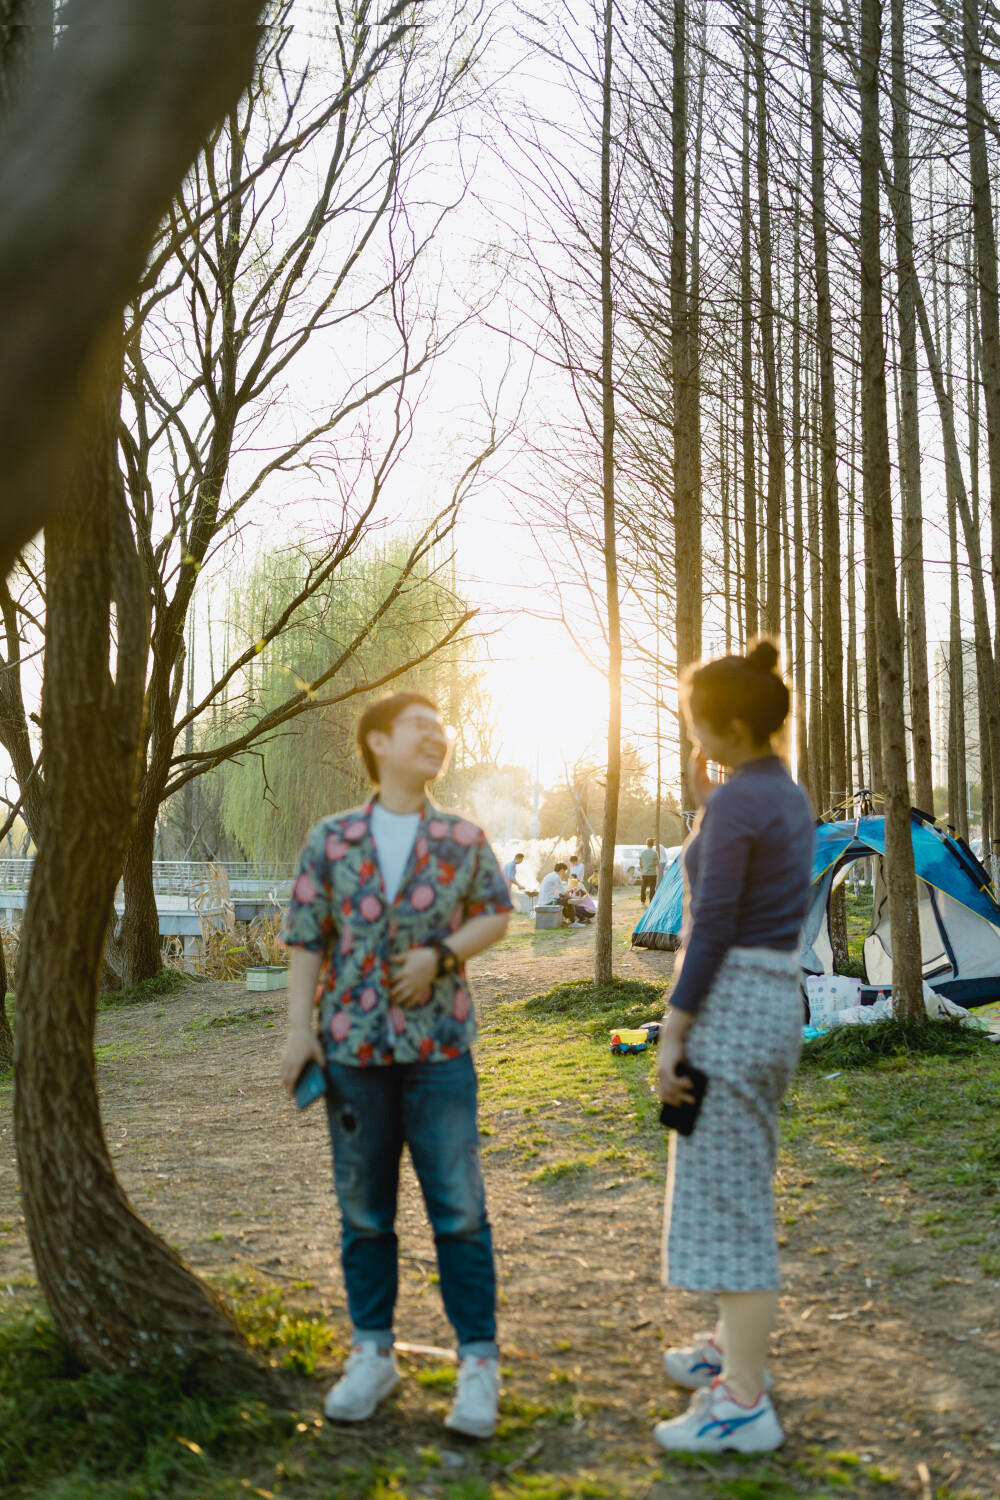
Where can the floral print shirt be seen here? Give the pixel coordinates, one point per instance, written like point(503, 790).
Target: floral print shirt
point(339, 908)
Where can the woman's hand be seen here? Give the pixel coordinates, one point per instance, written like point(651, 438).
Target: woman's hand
point(702, 784)
point(413, 974)
point(671, 1088)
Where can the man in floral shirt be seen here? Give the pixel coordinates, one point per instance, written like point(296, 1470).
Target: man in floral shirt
point(389, 902)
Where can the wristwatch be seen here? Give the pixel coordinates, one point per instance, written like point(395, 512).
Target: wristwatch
point(448, 959)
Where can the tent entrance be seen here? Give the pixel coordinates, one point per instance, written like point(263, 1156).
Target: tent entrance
point(935, 948)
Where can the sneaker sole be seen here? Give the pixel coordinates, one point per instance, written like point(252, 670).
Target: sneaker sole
point(471, 1429)
point(748, 1449)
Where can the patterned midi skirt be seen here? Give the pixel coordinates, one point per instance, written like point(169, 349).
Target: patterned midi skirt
point(718, 1232)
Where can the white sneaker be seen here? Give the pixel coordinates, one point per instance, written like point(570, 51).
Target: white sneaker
point(369, 1375)
point(698, 1364)
point(477, 1398)
point(716, 1422)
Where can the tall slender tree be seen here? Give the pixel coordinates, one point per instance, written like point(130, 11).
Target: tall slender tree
point(900, 878)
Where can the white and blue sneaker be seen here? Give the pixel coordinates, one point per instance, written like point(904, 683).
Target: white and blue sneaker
point(716, 1422)
point(698, 1364)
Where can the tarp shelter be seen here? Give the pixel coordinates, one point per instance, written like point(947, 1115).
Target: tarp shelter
point(959, 916)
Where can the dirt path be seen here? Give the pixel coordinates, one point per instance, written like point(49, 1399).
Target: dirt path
point(875, 1373)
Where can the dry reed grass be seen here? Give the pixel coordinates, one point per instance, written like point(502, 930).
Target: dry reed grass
point(227, 952)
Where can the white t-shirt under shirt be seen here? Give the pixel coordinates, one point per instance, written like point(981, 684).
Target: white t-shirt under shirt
point(394, 835)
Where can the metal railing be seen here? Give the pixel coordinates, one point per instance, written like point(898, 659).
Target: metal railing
point(184, 877)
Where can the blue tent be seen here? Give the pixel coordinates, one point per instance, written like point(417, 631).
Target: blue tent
point(660, 924)
point(958, 912)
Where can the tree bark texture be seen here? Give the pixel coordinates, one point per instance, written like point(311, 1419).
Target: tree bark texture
point(105, 128)
point(912, 561)
point(907, 977)
point(120, 1296)
point(687, 500)
point(603, 969)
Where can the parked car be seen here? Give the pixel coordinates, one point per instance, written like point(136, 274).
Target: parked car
point(627, 857)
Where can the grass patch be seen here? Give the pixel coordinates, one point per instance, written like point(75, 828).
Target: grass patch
point(81, 1433)
point(868, 1046)
point(244, 1016)
point(623, 1002)
point(166, 982)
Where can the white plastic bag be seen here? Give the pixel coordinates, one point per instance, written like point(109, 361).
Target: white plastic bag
point(828, 995)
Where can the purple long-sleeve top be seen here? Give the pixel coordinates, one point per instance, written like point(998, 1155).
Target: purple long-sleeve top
point(747, 870)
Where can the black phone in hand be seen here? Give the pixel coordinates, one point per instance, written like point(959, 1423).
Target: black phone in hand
point(684, 1117)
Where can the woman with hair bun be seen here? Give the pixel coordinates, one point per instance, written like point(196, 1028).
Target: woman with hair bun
point(736, 1015)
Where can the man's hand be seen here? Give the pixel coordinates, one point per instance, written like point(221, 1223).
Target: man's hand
point(413, 974)
point(301, 1046)
point(670, 1088)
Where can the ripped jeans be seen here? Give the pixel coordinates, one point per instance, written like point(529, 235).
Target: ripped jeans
point(432, 1108)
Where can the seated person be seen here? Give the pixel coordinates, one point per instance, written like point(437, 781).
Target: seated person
point(576, 867)
point(584, 909)
point(552, 891)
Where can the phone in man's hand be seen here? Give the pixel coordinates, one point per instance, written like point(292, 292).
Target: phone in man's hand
point(310, 1085)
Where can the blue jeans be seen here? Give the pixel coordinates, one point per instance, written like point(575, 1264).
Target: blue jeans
point(432, 1108)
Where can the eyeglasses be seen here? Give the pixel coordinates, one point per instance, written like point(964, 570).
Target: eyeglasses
point(424, 724)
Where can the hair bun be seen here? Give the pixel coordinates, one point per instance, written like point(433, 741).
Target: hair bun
point(762, 656)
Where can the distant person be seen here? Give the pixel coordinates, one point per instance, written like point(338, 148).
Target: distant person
point(735, 1014)
point(649, 869)
point(577, 867)
point(553, 892)
point(510, 870)
point(390, 901)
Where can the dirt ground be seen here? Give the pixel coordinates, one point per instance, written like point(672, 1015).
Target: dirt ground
point(886, 1385)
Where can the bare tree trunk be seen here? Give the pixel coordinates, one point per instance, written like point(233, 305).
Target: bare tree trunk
point(102, 133)
point(603, 970)
point(120, 1296)
point(833, 643)
point(771, 620)
point(687, 501)
point(907, 978)
point(912, 563)
point(958, 792)
point(983, 689)
point(751, 587)
point(798, 540)
point(986, 266)
point(6, 1035)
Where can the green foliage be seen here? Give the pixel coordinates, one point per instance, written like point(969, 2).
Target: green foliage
point(166, 982)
